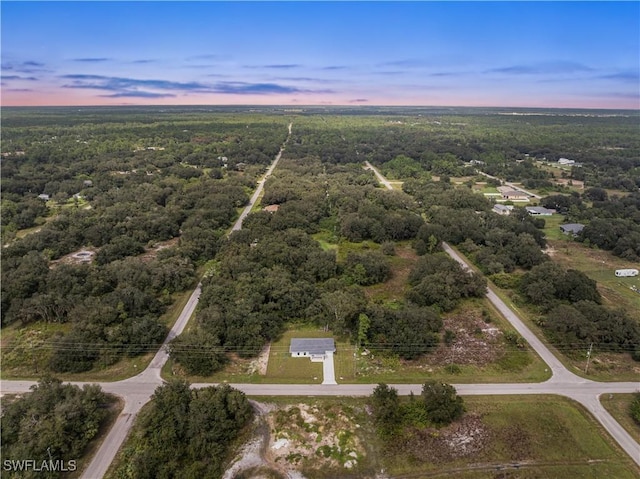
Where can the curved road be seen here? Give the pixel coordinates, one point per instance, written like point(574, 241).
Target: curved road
point(137, 391)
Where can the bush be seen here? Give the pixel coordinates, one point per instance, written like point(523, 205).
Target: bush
point(634, 409)
point(442, 403)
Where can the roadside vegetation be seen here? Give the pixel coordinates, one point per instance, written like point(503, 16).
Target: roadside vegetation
point(184, 433)
point(625, 408)
point(512, 436)
point(56, 424)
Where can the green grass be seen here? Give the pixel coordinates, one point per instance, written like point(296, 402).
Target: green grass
point(545, 436)
point(283, 368)
point(550, 437)
point(618, 406)
point(552, 228)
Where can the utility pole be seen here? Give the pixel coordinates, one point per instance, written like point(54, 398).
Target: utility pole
point(586, 369)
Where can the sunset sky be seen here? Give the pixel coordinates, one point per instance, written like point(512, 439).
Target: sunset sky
point(528, 54)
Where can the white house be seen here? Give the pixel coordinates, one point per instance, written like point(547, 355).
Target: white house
point(316, 349)
point(566, 161)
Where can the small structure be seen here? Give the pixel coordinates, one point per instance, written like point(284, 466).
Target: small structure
point(502, 209)
point(317, 349)
point(622, 273)
point(572, 228)
point(511, 194)
point(566, 161)
point(539, 211)
point(44, 197)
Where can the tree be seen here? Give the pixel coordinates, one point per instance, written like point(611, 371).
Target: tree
point(442, 403)
point(386, 409)
point(54, 421)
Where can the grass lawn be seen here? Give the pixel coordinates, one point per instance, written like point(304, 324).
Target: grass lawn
point(282, 368)
point(618, 406)
point(552, 228)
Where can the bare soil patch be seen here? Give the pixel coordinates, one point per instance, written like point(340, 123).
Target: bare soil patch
point(152, 252)
point(476, 342)
point(465, 438)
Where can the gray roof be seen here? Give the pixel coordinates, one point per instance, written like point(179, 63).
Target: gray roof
point(574, 228)
point(312, 345)
point(540, 210)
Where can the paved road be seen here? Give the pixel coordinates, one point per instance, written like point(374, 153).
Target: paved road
point(381, 178)
point(563, 381)
point(256, 194)
point(511, 185)
point(137, 391)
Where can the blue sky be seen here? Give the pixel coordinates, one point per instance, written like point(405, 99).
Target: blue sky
point(538, 54)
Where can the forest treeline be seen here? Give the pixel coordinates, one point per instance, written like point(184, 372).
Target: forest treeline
point(150, 201)
point(274, 271)
point(153, 195)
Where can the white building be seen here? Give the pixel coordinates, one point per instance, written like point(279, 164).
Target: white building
point(566, 161)
point(317, 349)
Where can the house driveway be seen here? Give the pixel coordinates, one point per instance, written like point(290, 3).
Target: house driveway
point(328, 372)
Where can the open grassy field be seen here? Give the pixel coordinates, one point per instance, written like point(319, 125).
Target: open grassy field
point(498, 437)
point(552, 228)
point(618, 406)
point(523, 437)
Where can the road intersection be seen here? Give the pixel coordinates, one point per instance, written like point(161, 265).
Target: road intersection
point(137, 391)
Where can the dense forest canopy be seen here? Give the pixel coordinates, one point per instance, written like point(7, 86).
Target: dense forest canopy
point(147, 195)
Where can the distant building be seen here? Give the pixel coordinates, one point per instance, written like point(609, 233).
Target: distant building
point(511, 194)
point(316, 349)
point(539, 211)
point(44, 197)
point(572, 228)
point(566, 161)
point(502, 209)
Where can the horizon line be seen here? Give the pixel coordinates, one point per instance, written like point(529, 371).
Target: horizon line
point(348, 105)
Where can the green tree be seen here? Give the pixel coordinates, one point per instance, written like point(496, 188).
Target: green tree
point(386, 409)
point(442, 403)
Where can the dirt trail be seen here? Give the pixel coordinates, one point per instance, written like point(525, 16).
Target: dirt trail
point(251, 460)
